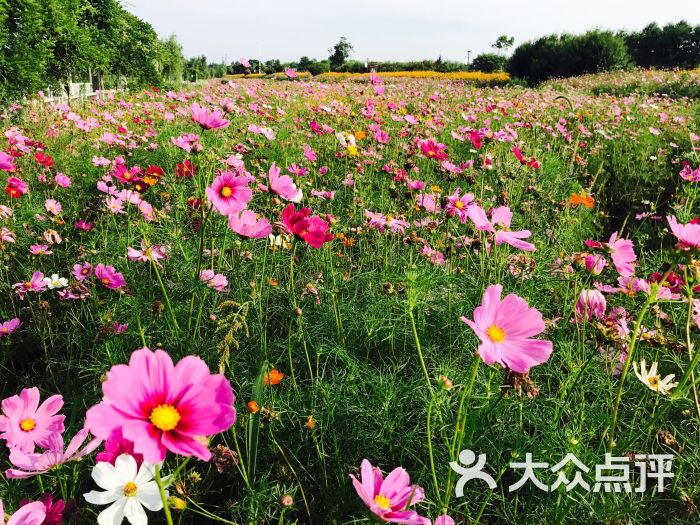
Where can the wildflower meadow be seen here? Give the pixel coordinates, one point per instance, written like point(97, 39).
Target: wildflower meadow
point(419, 299)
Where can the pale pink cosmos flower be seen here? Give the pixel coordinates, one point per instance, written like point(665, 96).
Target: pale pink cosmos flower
point(696, 312)
point(188, 142)
point(161, 407)
point(428, 201)
point(309, 153)
point(147, 253)
point(229, 193)
point(34, 464)
point(505, 328)
point(7, 235)
point(214, 280)
point(40, 249)
point(283, 185)
point(444, 520)
point(501, 217)
point(53, 206)
point(687, 234)
point(208, 119)
point(34, 284)
point(115, 205)
point(389, 498)
point(244, 62)
point(62, 180)
point(381, 222)
point(591, 303)
point(31, 514)
point(24, 423)
point(247, 224)
point(459, 205)
point(7, 327)
point(82, 271)
point(622, 255)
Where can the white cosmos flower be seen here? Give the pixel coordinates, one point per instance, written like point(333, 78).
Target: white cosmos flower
point(652, 379)
point(127, 488)
point(55, 281)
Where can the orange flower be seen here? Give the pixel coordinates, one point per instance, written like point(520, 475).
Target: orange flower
point(253, 407)
point(359, 135)
point(310, 422)
point(581, 199)
point(273, 377)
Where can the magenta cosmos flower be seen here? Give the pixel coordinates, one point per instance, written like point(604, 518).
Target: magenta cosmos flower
point(160, 406)
point(310, 228)
point(31, 514)
point(208, 119)
point(505, 328)
point(109, 277)
point(229, 193)
point(24, 423)
point(7, 162)
point(34, 284)
point(687, 234)
point(622, 255)
point(389, 498)
point(7, 327)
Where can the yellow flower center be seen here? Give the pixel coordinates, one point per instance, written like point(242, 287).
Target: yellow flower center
point(165, 417)
point(653, 382)
point(28, 285)
point(459, 205)
point(383, 502)
point(105, 280)
point(27, 424)
point(496, 333)
point(389, 218)
point(226, 191)
point(130, 489)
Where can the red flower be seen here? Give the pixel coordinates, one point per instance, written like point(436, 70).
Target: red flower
point(43, 159)
point(186, 169)
point(311, 229)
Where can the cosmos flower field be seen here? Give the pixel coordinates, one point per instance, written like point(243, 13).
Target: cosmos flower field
point(293, 301)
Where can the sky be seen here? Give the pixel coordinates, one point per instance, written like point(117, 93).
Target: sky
point(387, 29)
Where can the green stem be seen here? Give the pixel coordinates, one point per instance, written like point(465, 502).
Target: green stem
point(161, 491)
point(418, 348)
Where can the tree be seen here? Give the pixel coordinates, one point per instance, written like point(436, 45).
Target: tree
point(503, 43)
point(340, 53)
point(488, 63)
point(170, 59)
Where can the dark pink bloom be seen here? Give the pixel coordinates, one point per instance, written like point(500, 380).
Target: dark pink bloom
point(433, 151)
point(7, 162)
point(24, 423)
point(229, 193)
point(34, 284)
point(109, 277)
point(310, 228)
point(16, 187)
point(82, 271)
point(115, 446)
point(54, 509)
point(160, 406)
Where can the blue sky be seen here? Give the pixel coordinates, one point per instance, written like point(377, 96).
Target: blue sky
point(387, 29)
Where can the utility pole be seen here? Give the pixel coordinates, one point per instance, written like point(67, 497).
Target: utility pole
point(468, 57)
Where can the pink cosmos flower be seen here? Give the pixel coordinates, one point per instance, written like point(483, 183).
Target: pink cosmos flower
point(109, 277)
point(34, 284)
point(7, 327)
point(687, 234)
point(244, 62)
point(389, 498)
point(188, 142)
point(115, 205)
point(62, 180)
point(214, 280)
point(115, 446)
point(160, 406)
point(444, 520)
point(595, 264)
point(283, 185)
point(84, 226)
point(40, 249)
point(147, 253)
point(33, 464)
point(208, 119)
point(53, 206)
point(696, 312)
point(428, 201)
point(591, 303)
point(31, 514)
point(622, 255)
point(380, 222)
point(7, 162)
point(7, 235)
point(24, 423)
point(459, 206)
point(433, 151)
point(82, 271)
point(502, 217)
point(247, 224)
point(310, 228)
point(505, 328)
point(229, 193)
point(309, 153)
point(290, 72)
point(53, 508)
